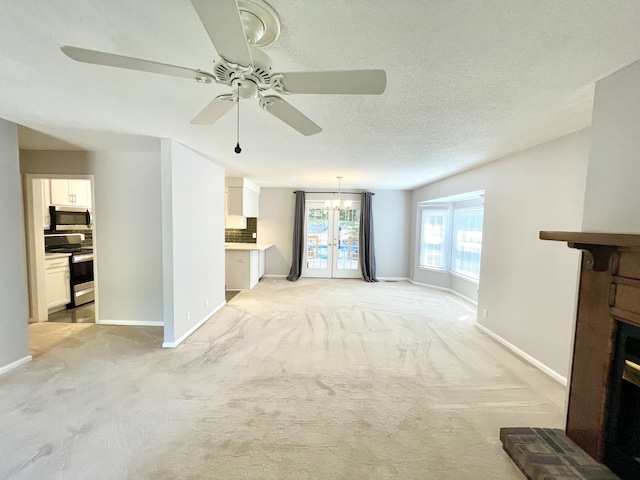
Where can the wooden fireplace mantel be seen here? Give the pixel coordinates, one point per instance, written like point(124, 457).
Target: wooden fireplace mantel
point(609, 292)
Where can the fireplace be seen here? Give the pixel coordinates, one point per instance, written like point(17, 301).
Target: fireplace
point(622, 434)
point(603, 415)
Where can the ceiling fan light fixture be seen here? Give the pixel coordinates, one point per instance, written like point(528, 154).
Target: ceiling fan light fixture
point(260, 21)
point(253, 27)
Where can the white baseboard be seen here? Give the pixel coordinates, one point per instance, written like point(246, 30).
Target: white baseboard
point(193, 329)
point(16, 364)
point(273, 276)
point(448, 290)
point(525, 356)
point(393, 279)
point(130, 323)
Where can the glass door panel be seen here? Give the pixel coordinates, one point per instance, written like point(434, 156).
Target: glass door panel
point(318, 255)
point(346, 261)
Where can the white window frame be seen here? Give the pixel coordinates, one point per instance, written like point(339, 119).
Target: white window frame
point(465, 275)
point(436, 209)
point(448, 242)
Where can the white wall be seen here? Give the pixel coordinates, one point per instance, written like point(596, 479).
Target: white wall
point(127, 237)
point(127, 229)
point(13, 267)
point(528, 286)
point(193, 238)
point(612, 199)
point(390, 210)
point(275, 225)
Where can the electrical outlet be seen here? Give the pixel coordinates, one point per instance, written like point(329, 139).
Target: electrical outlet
point(254, 235)
point(206, 303)
point(485, 313)
point(188, 314)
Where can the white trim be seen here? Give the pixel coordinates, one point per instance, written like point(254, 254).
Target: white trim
point(16, 364)
point(130, 323)
point(270, 275)
point(433, 269)
point(193, 329)
point(475, 281)
point(525, 356)
point(448, 290)
point(393, 279)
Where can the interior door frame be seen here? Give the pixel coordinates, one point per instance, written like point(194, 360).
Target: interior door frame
point(38, 311)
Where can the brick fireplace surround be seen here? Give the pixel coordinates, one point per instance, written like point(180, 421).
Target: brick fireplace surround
point(609, 296)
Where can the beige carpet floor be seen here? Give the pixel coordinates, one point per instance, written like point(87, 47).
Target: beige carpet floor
point(318, 379)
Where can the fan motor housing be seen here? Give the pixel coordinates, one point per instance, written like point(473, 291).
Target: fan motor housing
point(260, 72)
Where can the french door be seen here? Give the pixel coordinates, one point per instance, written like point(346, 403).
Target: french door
point(331, 241)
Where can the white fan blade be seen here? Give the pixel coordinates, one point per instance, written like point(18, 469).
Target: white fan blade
point(354, 82)
point(221, 20)
point(289, 115)
point(216, 109)
point(130, 63)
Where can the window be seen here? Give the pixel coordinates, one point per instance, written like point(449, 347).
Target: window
point(467, 242)
point(432, 247)
point(451, 237)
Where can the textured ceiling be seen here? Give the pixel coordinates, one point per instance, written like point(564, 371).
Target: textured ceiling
point(469, 81)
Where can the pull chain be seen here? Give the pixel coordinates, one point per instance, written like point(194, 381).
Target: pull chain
point(238, 149)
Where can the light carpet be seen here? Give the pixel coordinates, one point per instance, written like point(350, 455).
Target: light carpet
point(318, 379)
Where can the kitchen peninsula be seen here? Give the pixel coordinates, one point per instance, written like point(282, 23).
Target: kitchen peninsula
point(244, 264)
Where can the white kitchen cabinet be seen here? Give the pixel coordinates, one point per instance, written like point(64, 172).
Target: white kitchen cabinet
point(243, 197)
point(232, 221)
point(262, 261)
point(254, 271)
point(57, 281)
point(71, 192)
point(244, 266)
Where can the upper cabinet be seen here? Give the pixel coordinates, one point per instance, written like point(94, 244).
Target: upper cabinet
point(232, 221)
point(243, 197)
point(71, 192)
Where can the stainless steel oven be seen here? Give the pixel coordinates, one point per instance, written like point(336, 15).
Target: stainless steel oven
point(80, 265)
point(81, 270)
point(69, 218)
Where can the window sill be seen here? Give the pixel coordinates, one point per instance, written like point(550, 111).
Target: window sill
point(432, 269)
point(464, 277)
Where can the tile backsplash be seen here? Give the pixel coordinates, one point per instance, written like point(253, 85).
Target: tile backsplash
point(242, 235)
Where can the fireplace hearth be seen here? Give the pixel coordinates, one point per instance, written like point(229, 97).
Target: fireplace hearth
point(603, 416)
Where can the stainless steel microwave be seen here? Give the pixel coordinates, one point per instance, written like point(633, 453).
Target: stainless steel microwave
point(69, 218)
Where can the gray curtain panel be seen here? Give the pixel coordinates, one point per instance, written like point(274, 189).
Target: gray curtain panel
point(298, 239)
point(367, 251)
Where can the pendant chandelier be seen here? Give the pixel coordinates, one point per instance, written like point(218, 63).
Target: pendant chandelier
point(337, 204)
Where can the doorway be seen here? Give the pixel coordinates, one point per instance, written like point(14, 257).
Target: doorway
point(61, 278)
point(332, 241)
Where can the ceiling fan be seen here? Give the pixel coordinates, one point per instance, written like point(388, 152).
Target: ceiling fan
point(237, 28)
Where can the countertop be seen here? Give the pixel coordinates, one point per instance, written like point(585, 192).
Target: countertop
point(247, 246)
point(50, 256)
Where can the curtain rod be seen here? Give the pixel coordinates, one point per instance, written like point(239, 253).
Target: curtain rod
point(346, 193)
